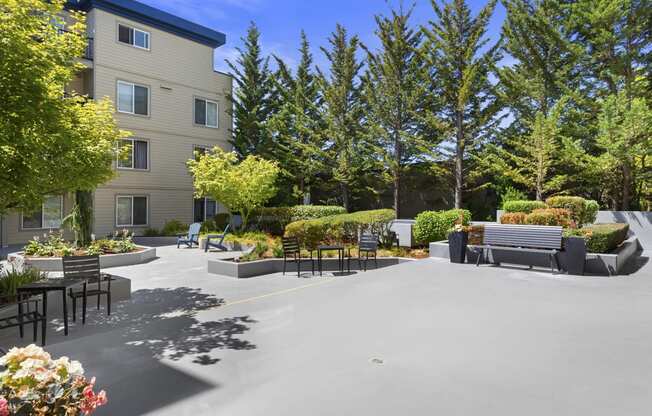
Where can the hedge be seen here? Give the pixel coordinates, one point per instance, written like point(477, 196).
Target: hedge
point(601, 238)
point(549, 216)
point(523, 206)
point(342, 227)
point(434, 225)
point(591, 209)
point(513, 218)
point(574, 204)
point(274, 219)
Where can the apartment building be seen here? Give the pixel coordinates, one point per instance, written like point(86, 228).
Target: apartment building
point(158, 70)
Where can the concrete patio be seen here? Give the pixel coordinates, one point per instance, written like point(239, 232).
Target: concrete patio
point(426, 337)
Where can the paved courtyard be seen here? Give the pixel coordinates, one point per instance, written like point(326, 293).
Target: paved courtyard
point(421, 338)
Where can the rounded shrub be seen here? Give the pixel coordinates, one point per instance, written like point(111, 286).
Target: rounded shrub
point(574, 204)
point(513, 218)
point(434, 225)
point(173, 227)
point(549, 216)
point(591, 209)
point(523, 206)
point(601, 238)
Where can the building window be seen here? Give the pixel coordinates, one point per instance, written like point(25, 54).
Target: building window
point(203, 209)
point(134, 37)
point(49, 216)
point(136, 154)
point(198, 151)
point(205, 112)
point(130, 210)
point(132, 98)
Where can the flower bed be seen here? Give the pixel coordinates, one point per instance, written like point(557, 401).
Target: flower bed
point(54, 245)
point(35, 384)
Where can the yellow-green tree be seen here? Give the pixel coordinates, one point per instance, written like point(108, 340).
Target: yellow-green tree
point(241, 186)
point(50, 142)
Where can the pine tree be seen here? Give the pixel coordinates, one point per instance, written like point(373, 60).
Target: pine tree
point(455, 49)
point(252, 101)
point(297, 125)
point(395, 95)
point(343, 112)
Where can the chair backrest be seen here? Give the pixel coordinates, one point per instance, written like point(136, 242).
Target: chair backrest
point(81, 267)
point(194, 229)
point(527, 236)
point(290, 245)
point(226, 229)
point(368, 242)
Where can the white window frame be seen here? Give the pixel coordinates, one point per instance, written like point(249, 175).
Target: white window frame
point(133, 97)
point(148, 36)
point(217, 113)
point(132, 140)
point(117, 198)
point(22, 216)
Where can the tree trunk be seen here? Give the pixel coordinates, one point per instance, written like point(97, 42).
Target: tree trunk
point(84, 221)
point(397, 174)
point(627, 183)
point(459, 160)
point(345, 196)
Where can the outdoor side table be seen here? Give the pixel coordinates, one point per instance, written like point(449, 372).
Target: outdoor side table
point(52, 285)
point(340, 256)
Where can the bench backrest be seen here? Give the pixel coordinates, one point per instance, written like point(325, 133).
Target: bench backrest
point(530, 236)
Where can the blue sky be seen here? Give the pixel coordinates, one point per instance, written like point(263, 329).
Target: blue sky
point(280, 21)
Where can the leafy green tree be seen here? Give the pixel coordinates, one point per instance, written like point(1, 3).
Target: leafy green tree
point(533, 160)
point(396, 95)
point(297, 126)
point(50, 143)
point(343, 112)
point(455, 49)
point(241, 186)
point(625, 128)
point(253, 101)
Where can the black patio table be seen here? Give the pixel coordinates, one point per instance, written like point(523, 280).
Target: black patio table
point(340, 255)
point(52, 285)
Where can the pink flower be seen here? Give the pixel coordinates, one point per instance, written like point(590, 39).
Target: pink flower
point(91, 401)
point(4, 407)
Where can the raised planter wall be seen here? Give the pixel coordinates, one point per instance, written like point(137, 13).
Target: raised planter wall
point(403, 230)
point(269, 266)
point(596, 263)
point(54, 264)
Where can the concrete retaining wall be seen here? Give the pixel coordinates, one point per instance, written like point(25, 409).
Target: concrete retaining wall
point(403, 230)
point(54, 264)
point(268, 266)
point(596, 263)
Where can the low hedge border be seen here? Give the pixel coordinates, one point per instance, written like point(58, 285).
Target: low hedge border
point(523, 206)
point(342, 227)
point(601, 238)
point(275, 219)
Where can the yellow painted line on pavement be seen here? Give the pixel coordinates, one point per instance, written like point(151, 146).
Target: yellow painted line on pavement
point(278, 292)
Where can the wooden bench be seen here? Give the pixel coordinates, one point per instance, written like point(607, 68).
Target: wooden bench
point(524, 238)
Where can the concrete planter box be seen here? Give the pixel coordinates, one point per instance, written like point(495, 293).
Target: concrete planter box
point(269, 266)
point(120, 290)
point(596, 263)
point(54, 264)
point(403, 230)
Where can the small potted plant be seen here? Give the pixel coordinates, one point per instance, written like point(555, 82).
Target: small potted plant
point(458, 238)
point(575, 250)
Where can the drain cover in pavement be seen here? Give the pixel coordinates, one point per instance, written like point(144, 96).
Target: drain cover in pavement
point(378, 361)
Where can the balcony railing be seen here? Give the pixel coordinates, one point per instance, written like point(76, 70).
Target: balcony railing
point(88, 51)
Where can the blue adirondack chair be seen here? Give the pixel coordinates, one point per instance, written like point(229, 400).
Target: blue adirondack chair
point(192, 237)
point(216, 237)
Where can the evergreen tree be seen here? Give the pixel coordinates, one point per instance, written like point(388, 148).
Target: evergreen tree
point(343, 112)
point(252, 102)
point(455, 49)
point(297, 125)
point(395, 95)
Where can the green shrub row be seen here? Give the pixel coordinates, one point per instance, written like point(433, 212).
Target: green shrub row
point(275, 219)
point(523, 206)
point(601, 238)
point(434, 225)
point(341, 227)
point(582, 211)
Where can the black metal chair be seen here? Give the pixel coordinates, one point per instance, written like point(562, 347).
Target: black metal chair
point(87, 270)
point(25, 315)
point(292, 253)
point(368, 245)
